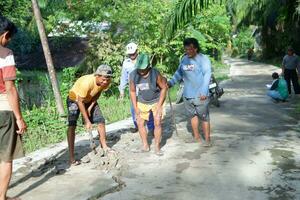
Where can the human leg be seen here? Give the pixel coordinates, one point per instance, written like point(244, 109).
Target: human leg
point(5, 175)
point(97, 118)
point(73, 114)
point(71, 141)
point(192, 114)
point(206, 130)
point(274, 95)
point(135, 129)
point(195, 128)
point(287, 78)
point(295, 82)
point(141, 118)
point(158, 115)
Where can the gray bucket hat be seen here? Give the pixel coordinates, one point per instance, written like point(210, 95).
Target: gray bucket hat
point(104, 70)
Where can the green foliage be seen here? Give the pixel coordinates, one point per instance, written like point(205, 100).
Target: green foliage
point(242, 42)
point(103, 50)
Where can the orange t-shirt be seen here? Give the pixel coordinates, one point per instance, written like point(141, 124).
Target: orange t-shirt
point(86, 88)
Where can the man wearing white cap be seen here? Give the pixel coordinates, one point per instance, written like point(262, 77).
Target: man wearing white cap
point(127, 67)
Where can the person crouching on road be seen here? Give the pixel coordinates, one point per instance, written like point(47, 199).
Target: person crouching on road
point(278, 89)
point(82, 99)
point(152, 88)
point(195, 71)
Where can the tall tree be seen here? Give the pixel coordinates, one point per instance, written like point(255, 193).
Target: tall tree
point(48, 57)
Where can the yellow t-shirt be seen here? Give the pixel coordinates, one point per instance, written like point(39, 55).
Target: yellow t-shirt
point(86, 88)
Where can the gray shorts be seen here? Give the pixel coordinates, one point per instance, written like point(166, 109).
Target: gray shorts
point(195, 107)
point(73, 113)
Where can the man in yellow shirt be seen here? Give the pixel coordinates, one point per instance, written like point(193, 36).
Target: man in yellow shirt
point(82, 99)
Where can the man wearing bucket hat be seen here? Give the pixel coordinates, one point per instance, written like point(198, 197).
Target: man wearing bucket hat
point(127, 67)
point(152, 88)
point(82, 99)
point(290, 63)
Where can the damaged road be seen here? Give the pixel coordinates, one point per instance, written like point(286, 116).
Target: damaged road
point(255, 154)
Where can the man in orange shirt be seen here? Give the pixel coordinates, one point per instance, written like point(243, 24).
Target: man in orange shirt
point(12, 124)
point(82, 99)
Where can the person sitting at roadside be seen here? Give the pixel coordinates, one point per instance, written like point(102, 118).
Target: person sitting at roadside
point(278, 89)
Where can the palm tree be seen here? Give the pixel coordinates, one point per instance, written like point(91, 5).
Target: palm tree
point(182, 13)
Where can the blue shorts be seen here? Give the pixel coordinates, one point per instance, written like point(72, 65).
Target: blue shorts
point(195, 107)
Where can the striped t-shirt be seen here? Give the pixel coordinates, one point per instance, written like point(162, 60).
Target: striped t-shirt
point(7, 73)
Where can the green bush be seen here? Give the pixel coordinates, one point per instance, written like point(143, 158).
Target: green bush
point(242, 42)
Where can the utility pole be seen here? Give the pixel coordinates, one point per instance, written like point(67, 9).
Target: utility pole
point(48, 57)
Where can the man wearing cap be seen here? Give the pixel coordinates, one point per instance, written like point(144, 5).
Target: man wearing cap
point(195, 71)
point(127, 67)
point(290, 63)
point(152, 88)
point(82, 99)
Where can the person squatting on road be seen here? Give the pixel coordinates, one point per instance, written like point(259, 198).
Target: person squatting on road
point(127, 67)
point(278, 89)
point(82, 99)
point(195, 72)
point(12, 124)
point(290, 63)
point(148, 92)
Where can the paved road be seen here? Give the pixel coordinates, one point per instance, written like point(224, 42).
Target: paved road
point(255, 155)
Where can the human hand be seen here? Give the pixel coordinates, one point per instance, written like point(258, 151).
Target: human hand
point(159, 111)
point(88, 125)
point(137, 114)
point(203, 98)
point(22, 127)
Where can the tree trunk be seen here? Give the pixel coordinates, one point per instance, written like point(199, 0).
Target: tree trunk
point(47, 53)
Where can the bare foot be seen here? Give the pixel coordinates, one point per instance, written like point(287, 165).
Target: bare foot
point(198, 140)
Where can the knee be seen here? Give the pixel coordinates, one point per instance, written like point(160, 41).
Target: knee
point(157, 122)
point(101, 125)
point(140, 122)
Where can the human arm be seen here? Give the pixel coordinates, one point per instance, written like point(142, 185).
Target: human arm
point(13, 99)
point(177, 77)
point(133, 98)
point(84, 112)
point(123, 80)
point(162, 84)
point(283, 65)
point(92, 104)
point(274, 85)
point(206, 70)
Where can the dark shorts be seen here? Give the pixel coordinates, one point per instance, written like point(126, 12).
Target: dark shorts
point(195, 107)
point(73, 113)
point(10, 142)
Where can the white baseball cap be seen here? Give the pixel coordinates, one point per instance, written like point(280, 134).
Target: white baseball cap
point(131, 48)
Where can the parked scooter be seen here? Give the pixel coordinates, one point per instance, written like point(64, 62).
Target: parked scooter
point(215, 92)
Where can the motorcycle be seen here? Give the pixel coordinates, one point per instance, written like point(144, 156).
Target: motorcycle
point(215, 92)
